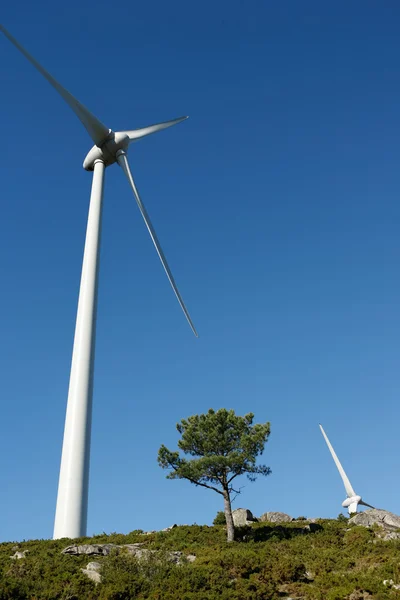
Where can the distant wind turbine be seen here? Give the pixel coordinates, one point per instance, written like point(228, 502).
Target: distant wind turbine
point(110, 147)
point(353, 500)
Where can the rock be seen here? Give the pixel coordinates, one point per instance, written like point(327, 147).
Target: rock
point(242, 516)
point(191, 558)
point(276, 517)
point(376, 516)
point(134, 549)
point(94, 566)
point(361, 595)
point(390, 583)
point(96, 549)
point(19, 555)
point(389, 535)
point(287, 589)
point(93, 571)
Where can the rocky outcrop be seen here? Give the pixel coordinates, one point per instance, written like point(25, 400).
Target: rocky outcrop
point(92, 549)
point(136, 550)
point(276, 517)
point(242, 516)
point(376, 516)
point(389, 523)
point(18, 554)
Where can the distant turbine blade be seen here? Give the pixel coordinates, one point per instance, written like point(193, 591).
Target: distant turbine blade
point(136, 134)
point(123, 163)
point(97, 131)
point(349, 490)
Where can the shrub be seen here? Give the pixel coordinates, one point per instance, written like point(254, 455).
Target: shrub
point(270, 561)
point(341, 517)
point(219, 518)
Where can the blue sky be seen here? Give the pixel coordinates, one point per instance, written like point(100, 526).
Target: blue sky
point(277, 204)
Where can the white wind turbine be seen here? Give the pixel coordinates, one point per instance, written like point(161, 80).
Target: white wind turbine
point(110, 147)
point(353, 500)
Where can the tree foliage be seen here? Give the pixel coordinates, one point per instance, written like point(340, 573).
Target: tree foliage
point(223, 446)
point(219, 518)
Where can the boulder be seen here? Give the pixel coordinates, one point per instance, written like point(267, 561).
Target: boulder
point(242, 516)
point(105, 549)
point(276, 517)
point(93, 571)
point(135, 549)
point(19, 554)
point(376, 516)
point(90, 549)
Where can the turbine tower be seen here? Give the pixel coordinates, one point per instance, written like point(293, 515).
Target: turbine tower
point(353, 500)
point(109, 147)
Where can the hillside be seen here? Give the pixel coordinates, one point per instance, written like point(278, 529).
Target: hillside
point(329, 560)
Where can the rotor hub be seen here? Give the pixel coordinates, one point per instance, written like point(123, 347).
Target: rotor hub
point(107, 152)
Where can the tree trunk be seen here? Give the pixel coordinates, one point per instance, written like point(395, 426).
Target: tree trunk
point(230, 528)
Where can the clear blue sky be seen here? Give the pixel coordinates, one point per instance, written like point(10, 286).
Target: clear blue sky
point(277, 204)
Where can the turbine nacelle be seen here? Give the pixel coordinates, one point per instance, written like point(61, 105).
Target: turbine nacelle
point(353, 500)
point(107, 152)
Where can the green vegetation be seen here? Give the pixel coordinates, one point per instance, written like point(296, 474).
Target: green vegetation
point(224, 446)
point(267, 562)
point(219, 518)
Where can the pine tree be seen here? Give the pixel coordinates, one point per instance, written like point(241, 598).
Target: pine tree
point(223, 446)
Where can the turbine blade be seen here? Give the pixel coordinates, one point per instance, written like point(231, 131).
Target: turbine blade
point(348, 487)
point(136, 134)
point(97, 131)
point(123, 163)
point(365, 504)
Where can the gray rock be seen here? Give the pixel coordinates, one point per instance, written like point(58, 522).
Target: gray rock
point(134, 549)
point(191, 558)
point(389, 535)
point(376, 516)
point(90, 549)
point(242, 516)
point(18, 555)
point(93, 571)
point(94, 566)
point(276, 517)
point(391, 584)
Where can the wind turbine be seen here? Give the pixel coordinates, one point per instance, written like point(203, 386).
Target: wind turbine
point(109, 147)
point(353, 499)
